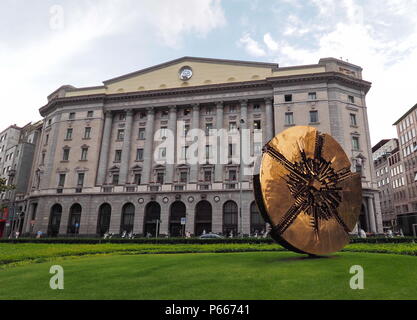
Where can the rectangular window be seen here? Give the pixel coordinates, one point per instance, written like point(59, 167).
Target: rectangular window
point(90, 114)
point(43, 158)
point(46, 139)
point(84, 153)
point(232, 109)
point(232, 126)
point(69, 134)
point(207, 176)
point(80, 181)
point(61, 182)
point(353, 121)
point(139, 154)
point(209, 126)
point(162, 153)
point(257, 125)
point(288, 98)
point(87, 133)
point(351, 99)
point(160, 177)
point(122, 116)
point(72, 116)
point(142, 115)
point(208, 152)
point(163, 132)
point(141, 134)
point(120, 134)
point(312, 96)
point(355, 143)
point(164, 114)
point(314, 117)
point(118, 156)
point(138, 178)
point(256, 107)
point(232, 149)
point(232, 175)
point(65, 156)
point(186, 112)
point(115, 180)
point(209, 111)
point(289, 118)
point(183, 177)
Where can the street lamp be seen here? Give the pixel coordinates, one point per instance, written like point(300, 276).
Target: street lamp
point(240, 177)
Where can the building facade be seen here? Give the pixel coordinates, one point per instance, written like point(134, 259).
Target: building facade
point(332, 99)
point(157, 151)
point(388, 172)
point(406, 203)
point(16, 167)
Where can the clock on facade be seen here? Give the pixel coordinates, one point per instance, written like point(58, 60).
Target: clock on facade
point(186, 73)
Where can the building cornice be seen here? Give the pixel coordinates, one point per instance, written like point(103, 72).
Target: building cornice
point(320, 77)
point(129, 96)
point(268, 83)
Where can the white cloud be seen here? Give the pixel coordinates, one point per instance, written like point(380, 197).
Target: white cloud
point(251, 46)
point(270, 43)
point(37, 65)
point(174, 19)
point(359, 33)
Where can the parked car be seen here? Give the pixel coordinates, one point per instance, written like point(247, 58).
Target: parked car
point(210, 236)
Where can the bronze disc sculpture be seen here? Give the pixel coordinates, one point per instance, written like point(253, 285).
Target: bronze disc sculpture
point(306, 191)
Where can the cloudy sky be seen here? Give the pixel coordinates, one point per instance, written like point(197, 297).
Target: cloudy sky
point(45, 44)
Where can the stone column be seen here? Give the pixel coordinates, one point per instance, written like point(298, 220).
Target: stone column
point(172, 129)
point(218, 169)
point(195, 125)
point(148, 150)
point(269, 120)
point(104, 152)
point(371, 213)
point(124, 166)
point(242, 131)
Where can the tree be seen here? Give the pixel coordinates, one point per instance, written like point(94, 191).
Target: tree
point(4, 186)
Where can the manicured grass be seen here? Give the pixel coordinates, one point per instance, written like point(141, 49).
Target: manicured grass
point(24, 253)
point(249, 275)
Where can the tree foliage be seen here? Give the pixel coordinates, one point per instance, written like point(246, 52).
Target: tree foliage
point(4, 186)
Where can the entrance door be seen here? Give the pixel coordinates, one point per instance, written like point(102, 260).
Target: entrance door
point(178, 211)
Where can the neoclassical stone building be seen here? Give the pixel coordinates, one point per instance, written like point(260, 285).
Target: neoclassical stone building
point(120, 157)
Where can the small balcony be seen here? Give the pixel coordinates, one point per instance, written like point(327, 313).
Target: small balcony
point(131, 188)
point(204, 185)
point(231, 185)
point(107, 189)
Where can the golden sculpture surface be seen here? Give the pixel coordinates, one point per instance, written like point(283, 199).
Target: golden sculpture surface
point(306, 191)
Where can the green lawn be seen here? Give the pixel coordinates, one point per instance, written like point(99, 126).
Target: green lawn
point(248, 275)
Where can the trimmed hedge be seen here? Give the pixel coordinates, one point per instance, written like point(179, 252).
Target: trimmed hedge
point(190, 240)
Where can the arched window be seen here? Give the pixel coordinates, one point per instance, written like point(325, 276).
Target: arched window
point(203, 217)
point(55, 220)
point(152, 219)
point(257, 223)
point(128, 217)
point(230, 218)
point(74, 219)
point(103, 221)
point(178, 211)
